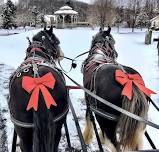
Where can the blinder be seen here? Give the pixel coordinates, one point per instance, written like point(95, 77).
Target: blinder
point(54, 41)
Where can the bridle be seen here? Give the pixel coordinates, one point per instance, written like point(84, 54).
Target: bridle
point(55, 50)
point(51, 52)
point(105, 45)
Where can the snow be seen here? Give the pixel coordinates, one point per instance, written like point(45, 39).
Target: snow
point(65, 10)
point(131, 50)
point(4, 32)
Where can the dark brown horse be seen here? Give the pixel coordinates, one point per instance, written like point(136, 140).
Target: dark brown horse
point(102, 76)
point(38, 96)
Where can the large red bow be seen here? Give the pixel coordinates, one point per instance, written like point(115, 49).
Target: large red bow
point(34, 85)
point(127, 80)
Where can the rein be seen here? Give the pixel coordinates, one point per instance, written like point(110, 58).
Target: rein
point(73, 65)
point(76, 56)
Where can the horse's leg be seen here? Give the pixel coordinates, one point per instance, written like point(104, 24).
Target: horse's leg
point(26, 136)
point(58, 133)
point(88, 131)
point(109, 146)
point(104, 138)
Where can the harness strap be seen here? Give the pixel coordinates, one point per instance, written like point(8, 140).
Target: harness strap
point(31, 125)
point(20, 123)
point(104, 114)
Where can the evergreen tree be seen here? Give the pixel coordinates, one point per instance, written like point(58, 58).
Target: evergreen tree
point(8, 15)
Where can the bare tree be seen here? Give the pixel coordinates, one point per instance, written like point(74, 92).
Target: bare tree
point(149, 8)
point(92, 15)
point(133, 9)
point(119, 16)
point(104, 11)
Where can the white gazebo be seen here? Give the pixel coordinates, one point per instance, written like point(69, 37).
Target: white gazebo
point(65, 17)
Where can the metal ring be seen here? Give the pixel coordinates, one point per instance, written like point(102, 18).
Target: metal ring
point(26, 70)
point(19, 74)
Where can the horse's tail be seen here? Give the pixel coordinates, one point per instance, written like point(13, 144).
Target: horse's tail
point(128, 131)
point(44, 129)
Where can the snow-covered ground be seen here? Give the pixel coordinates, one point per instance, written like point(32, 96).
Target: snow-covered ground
point(18, 30)
point(132, 52)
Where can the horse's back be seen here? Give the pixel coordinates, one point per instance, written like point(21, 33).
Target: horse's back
point(105, 80)
point(19, 98)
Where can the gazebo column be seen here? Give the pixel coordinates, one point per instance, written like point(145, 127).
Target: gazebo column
point(56, 20)
point(63, 21)
point(75, 19)
point(72, 21)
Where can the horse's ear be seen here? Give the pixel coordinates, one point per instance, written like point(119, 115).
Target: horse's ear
point(44, 28)
point(51, 29)
point(109, 30)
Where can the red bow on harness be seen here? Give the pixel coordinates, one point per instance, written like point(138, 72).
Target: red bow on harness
point(34, 85)
point(127, 80)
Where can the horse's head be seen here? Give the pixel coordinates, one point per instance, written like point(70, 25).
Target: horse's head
point(46, 40)
point(104, 40)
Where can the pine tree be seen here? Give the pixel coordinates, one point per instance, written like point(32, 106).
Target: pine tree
point(8, 15)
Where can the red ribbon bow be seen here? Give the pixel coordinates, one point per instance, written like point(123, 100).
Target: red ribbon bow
point(127, 80)
point(34, 85)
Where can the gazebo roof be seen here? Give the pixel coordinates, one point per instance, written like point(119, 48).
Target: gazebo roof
point(66, 7)
point(65, 10)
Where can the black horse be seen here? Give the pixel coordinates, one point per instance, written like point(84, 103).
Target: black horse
point(38, 96)
point(102, 75)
